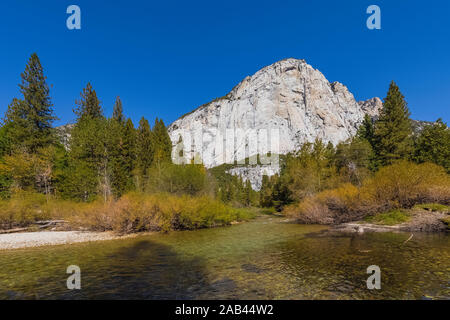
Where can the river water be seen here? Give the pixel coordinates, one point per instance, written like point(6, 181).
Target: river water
point(266, 258)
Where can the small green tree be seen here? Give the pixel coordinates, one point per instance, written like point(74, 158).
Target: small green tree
point(433, 145)
point(265, 193)
point(354, 160)
point(162, 143)
point(88, 106)
point(367, 130)
point(393, 132)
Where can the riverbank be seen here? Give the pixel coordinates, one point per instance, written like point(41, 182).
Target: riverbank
point(419, 219)
point(63, 235)
point(51, 238)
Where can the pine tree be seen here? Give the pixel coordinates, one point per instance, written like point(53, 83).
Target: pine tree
point(88, 106)
point(121, 157)
point(393, 132)
point(118, 111)
point(433, 145)
point(162, 143)
point(128, 154)
point(31, 119)
point(144, 152)
point(89, 172)
point(366, 130)
point(265, 194)
point(248, 192)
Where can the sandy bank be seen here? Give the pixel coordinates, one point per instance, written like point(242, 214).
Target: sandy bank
point(47, 238)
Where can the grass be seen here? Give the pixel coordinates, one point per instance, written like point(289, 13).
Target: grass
point(433, 207)
point(389, 218)
point(267, 211)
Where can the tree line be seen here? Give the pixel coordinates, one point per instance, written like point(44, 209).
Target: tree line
point(104, 156)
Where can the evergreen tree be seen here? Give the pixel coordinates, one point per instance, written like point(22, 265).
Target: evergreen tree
point(144, 152)
point(433, 145)
point(89, 171)
point(366, 130)
point(354, 160)
point(86, 175)
point(126, 160)
point(393, 132)
point(30, 120)
point(265, 194)
point(247, 193)
point(118, 111)
point(88, 106)
point(162, 143)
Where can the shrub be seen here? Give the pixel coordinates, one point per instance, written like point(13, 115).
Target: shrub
point(401, 185)
point(136, 212)
point(23, 209)
point(404, 184)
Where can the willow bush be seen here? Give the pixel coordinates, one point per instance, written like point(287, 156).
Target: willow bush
point(400, 185)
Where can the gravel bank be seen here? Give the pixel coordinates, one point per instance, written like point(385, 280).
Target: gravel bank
point(47, 238)
point(420, 221)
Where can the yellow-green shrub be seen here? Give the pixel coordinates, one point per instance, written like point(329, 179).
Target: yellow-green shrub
point(404, 184)
point(401, 185)
point(133, 212)
point(137, 212)
point(22, 209)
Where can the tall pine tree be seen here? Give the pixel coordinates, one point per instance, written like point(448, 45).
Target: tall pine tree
point(118, 111)
point(162, 143)
point(393, 132)
point(144, 152)
point(123, 150)
point(30, 120)
point(88, 174)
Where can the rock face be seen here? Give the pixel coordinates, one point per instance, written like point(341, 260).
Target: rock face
point(274, 111)
point(372, 106)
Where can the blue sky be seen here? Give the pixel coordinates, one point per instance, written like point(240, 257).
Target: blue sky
point(165, 58)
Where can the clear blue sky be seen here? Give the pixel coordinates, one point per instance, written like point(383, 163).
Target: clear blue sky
point(164, 58)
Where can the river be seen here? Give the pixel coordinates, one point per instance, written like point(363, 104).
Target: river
point(266, 258)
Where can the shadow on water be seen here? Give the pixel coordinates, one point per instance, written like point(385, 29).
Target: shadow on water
point(145, 270)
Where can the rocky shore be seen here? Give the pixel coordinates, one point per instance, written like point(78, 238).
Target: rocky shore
point(421, 221)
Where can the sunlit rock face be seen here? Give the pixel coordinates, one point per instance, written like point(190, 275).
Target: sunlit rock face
point(276, 110)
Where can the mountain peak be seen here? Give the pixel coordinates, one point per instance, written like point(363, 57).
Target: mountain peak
point(289, 96)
